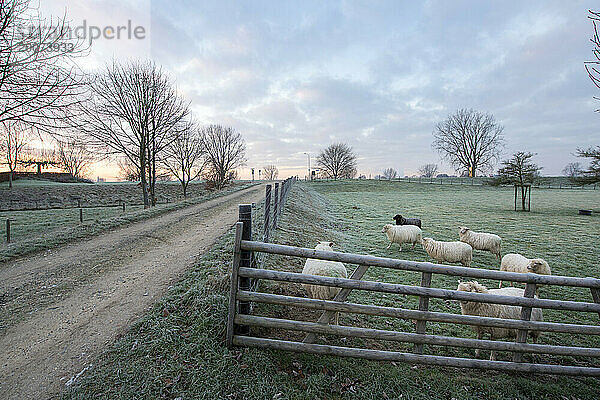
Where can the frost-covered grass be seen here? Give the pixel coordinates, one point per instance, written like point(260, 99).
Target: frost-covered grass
point(43, 229)
point(178, 350)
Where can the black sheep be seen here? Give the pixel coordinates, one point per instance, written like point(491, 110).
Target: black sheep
point(400, 220)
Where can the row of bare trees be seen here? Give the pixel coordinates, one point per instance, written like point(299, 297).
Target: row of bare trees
point(129, 113)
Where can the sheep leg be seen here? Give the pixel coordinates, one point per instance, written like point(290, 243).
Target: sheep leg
point(493, 355)
point(478, 350)
point(387, 248)
point(500, 287)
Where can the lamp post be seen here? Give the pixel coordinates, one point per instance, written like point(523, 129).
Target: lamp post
point(309, 176)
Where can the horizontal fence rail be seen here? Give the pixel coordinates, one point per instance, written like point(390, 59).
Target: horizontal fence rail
point(444, 294)
point(419, 266)
point(407, 337)
point(241, 322)
point(418, 315)
point(381, 355)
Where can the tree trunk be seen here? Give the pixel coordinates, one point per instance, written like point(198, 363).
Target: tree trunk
point(10, 179)
point(523, 195)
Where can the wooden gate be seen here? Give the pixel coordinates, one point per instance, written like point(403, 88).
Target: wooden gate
point(239, 318)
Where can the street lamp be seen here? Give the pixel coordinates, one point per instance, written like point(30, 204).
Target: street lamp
point(309, 177)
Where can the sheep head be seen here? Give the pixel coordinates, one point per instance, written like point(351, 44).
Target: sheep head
point(472, 286)
point(537, 266)
point(463, 230)
point(398, 217)
point(386, 228)
point(325, 246)
point(426, 242)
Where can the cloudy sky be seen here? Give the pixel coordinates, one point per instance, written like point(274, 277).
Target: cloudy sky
point(295, 76)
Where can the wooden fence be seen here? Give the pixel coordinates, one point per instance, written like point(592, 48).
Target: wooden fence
point(240, 319)
point(281, 192)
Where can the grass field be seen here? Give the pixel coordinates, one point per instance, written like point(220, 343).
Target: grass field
point(42, 229)
point(43, 194)
point(177, 350)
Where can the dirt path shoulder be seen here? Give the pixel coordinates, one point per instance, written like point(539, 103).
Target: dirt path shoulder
point(60, 308)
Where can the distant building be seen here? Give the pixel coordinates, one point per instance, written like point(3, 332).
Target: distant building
point(100, 180)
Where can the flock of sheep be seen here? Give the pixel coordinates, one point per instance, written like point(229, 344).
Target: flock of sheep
point(408, 230)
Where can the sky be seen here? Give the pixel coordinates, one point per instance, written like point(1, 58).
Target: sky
point(295, 76)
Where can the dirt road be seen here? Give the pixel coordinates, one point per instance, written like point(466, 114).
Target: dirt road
point(60, 308)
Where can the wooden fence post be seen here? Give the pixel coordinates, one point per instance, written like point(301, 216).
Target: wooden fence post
point(275, 205)
point(267, 228)
point(235, 267)
point(81, 215)
point(8, 230)
point(525, 316)
point(245, 217)
point(123, 206)
point(423, 306)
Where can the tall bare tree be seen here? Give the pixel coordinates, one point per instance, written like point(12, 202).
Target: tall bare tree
point(428, 170)
point(134, 112)
point(470, 140)
point(390, 173)
point(572, 171)
point(338, 161)
point(271, 172)
point(184, 156)
point(521, 171)
point(14, 138)
point(225, 151)
point(75, 157)
point(593, 67)
point(40, 82)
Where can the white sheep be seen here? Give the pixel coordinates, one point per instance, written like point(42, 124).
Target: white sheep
point(517, 263)
point(496, 311)
point(448, 251)
point(324, 268)
point(402, 234)
point(481, 240)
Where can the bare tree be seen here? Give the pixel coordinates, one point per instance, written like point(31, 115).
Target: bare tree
point(75, 157)
point(40, 158)
point(593, 67)
point(592, 173)
point(134, 112)
point(184, 156)
point(271, 172)
point(39, 80)
point(572, 171)
point(127, 170)
point(338, 161)
point(14, 138)
point(390, 173)
point(469, 140)
point(520, 171)
point(428, 170)
point(225, 151)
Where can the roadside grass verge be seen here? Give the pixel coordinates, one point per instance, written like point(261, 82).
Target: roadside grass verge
point(178, 349)
point(43, 230)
